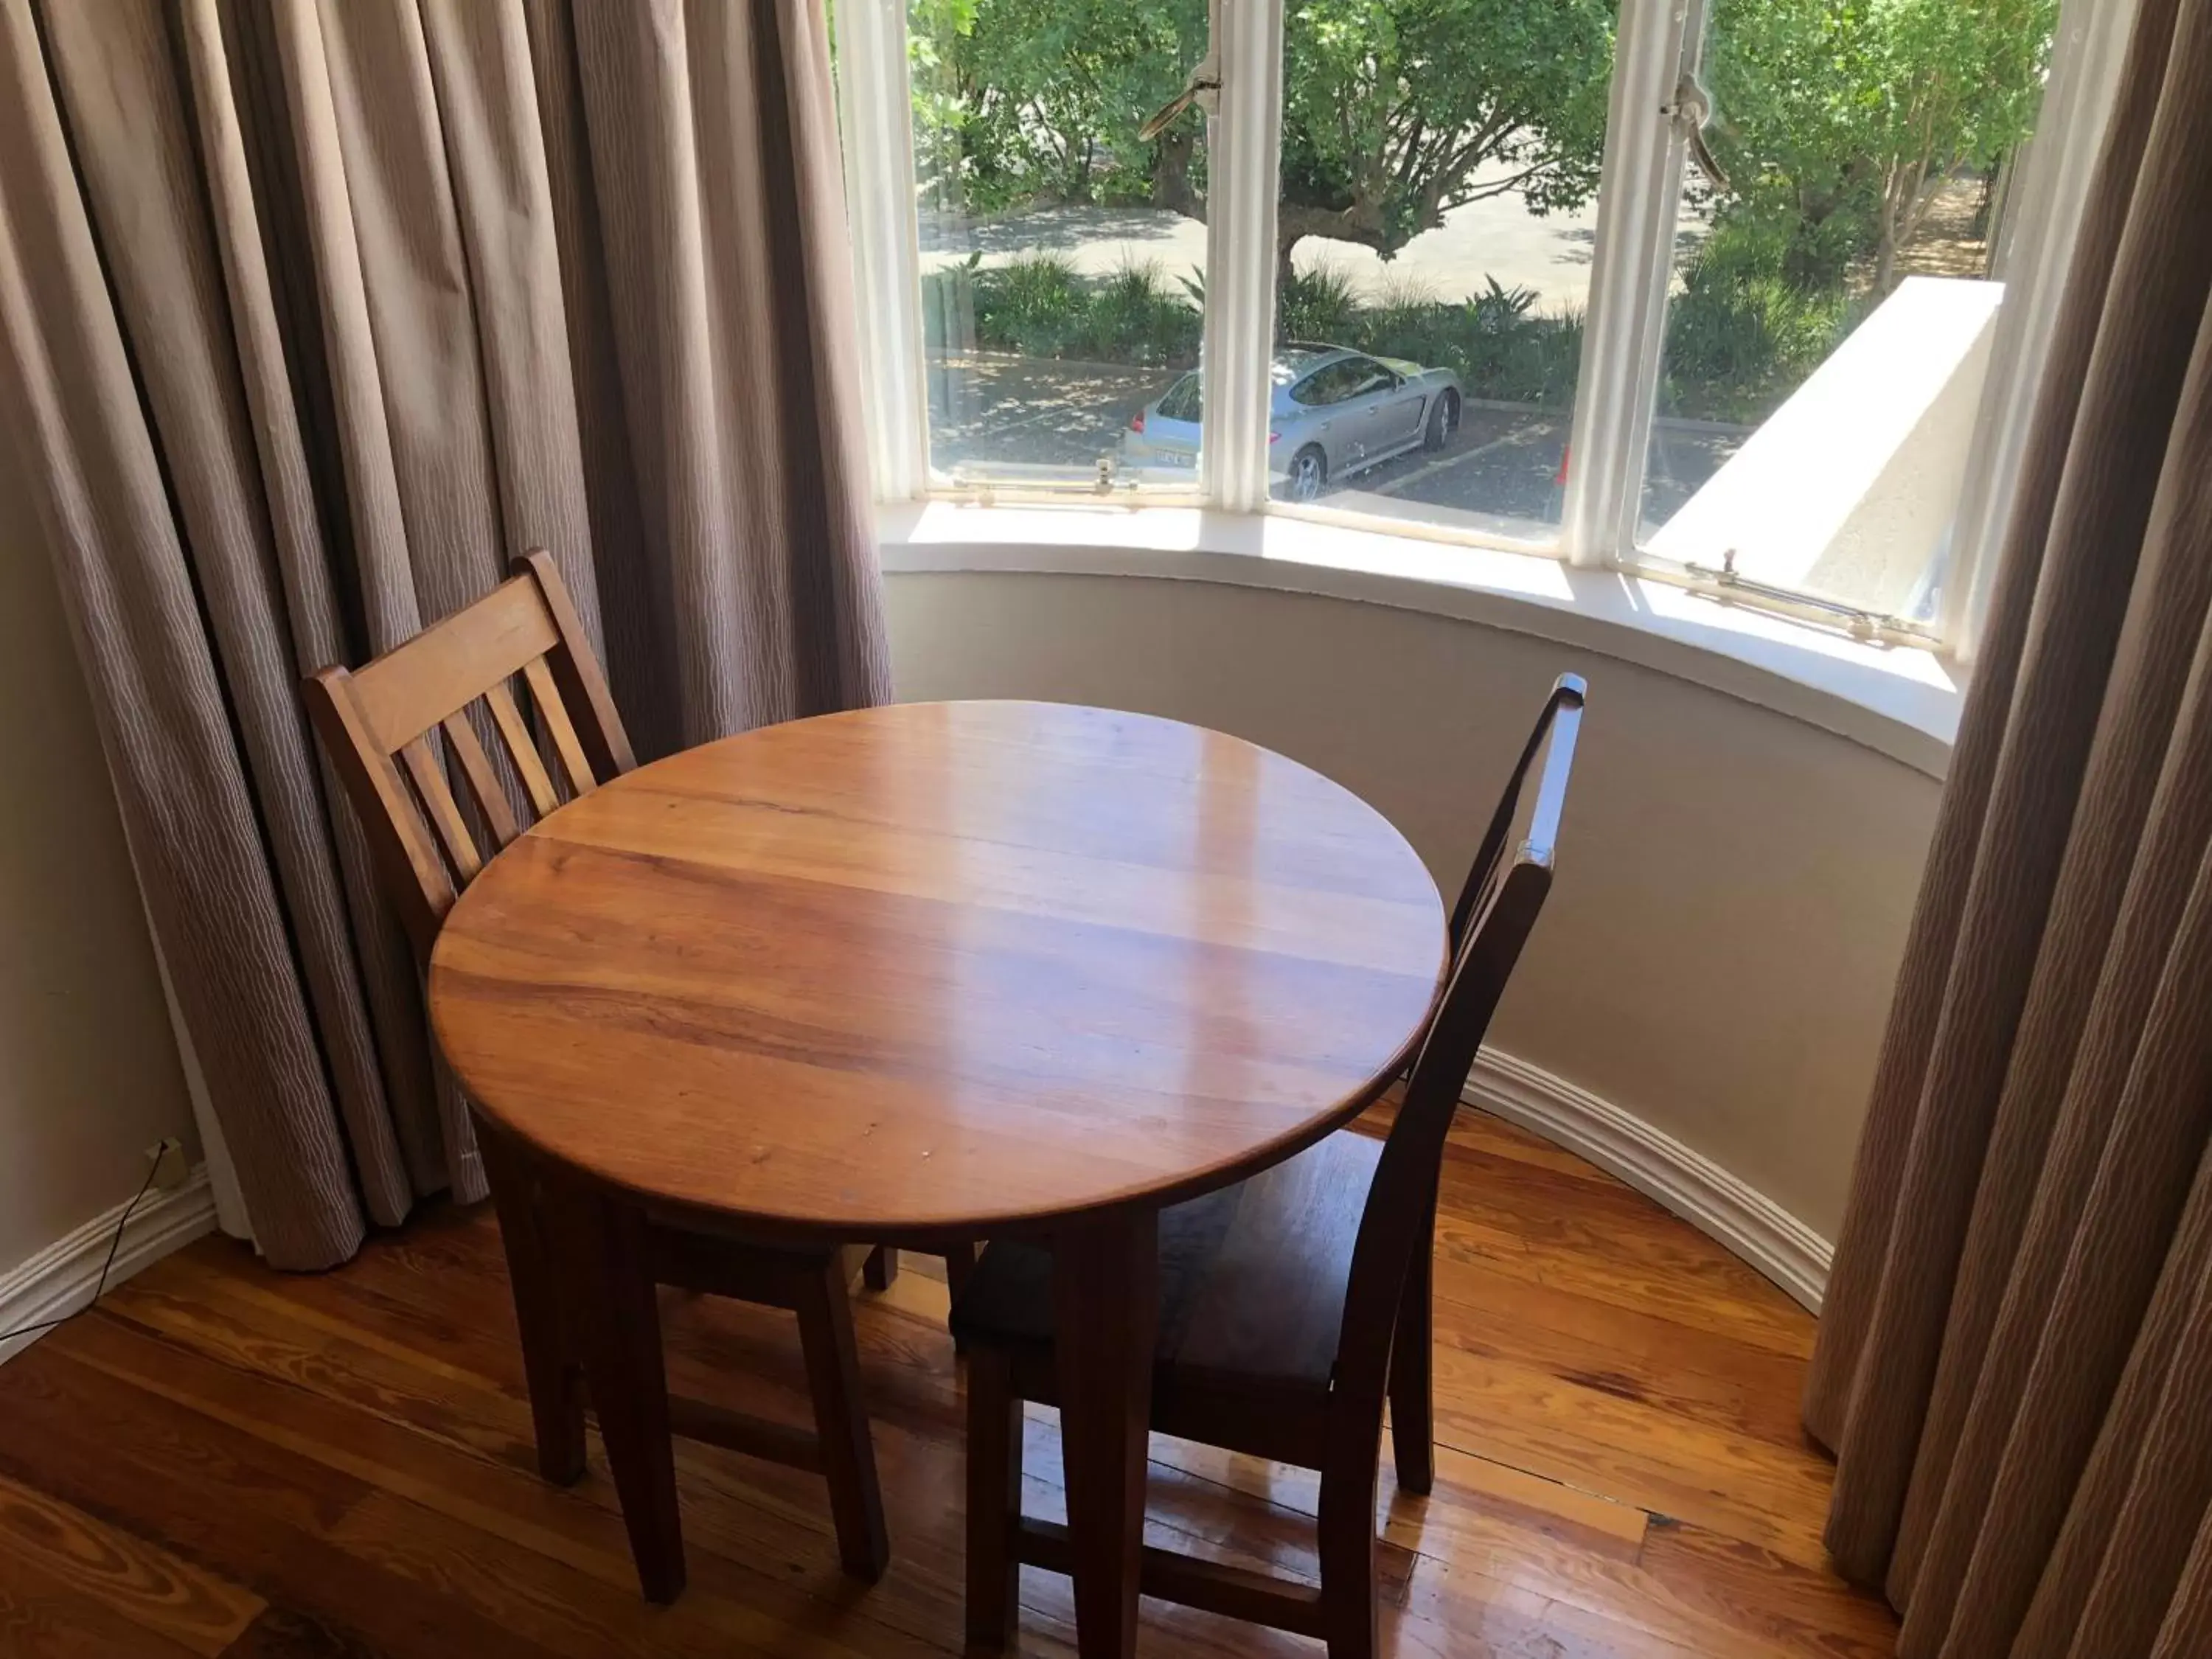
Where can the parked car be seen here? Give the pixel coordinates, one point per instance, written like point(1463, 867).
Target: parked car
point(1335, 412)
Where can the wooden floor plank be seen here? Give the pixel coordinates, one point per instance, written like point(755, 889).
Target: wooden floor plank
point(142, 1582)
point(44, 1616)
point(339, 1466)
point(217, 1495)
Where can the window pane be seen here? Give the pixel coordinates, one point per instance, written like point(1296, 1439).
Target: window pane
point(1831, 311)
point(1439, 194)
point(1063, 258)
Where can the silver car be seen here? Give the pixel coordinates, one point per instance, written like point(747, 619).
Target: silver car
point(1335, 412)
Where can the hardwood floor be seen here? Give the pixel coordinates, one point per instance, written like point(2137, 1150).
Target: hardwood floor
point(225, 1461)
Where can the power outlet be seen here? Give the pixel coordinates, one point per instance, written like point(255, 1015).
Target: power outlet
point(168, 1157)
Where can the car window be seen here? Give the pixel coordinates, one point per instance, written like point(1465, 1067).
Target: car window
point(1184, 400)
point(1334, 384)
point(1348, 378)
point(1371, 377)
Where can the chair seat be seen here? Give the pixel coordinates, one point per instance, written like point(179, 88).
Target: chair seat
point(1252, 1277)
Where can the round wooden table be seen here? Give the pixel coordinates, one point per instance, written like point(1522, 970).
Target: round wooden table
point(950, 970)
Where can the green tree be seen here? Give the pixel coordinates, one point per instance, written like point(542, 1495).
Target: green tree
point(1396, 111)
point(1038, 101)
point(1840, 121)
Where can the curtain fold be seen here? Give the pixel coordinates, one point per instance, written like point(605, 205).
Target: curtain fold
point(2011, 1347)
point(312, 315)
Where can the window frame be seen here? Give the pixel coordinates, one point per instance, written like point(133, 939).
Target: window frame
point(1638, 201)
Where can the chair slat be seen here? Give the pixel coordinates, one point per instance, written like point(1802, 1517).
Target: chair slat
point(521, 749)
point(410, 689)
point(445, 812)
point(411, 866)
point(483, 782)
point(385, 724)
point(576, 671)
point(551, 710)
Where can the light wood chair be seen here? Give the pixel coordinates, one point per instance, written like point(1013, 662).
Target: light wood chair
point(1282, 1298)
point(381, 725)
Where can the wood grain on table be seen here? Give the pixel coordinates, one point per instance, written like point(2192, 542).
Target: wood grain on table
point(965, 963)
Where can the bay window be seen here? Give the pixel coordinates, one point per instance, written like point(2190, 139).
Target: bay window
point(1713, 291)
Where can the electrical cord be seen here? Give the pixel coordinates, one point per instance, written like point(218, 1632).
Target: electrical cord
point(114, 1244)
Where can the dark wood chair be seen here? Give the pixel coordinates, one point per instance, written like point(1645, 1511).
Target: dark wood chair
point(1281, 1298)
point(382, 725)
point(1413, 1412)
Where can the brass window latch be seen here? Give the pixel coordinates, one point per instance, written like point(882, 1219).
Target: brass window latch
point(1203, 89)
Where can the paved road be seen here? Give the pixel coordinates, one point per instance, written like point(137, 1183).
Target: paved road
point(1498, 237)
point(1500, 473)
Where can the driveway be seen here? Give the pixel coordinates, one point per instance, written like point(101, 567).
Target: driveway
point(1500, 236)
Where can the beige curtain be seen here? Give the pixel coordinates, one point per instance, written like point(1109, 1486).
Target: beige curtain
point(311, 315)
point(2015, 1365)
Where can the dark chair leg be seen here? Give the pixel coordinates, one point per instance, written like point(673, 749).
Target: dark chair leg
point(994, 1499)
point(1412, 1353)
point(959, 1268)
point(1349, 1613)
point(881, 1267)
point(840, 1422)
point(602, 1245)
point(552, 1367)
point(959, 1264)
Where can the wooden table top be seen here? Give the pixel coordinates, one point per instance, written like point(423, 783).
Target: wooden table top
point(940, 966)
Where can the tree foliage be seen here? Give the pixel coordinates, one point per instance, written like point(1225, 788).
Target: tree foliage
point(1839, 121)
point(1396, 112)
point(1038, 101)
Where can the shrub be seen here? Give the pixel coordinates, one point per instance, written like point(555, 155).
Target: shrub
point(1741, 335)
point(1133, 318)
point(1318, 305)
point(1039, 306)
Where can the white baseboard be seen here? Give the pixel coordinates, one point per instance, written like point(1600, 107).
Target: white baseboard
point(58, 1278)
point(1687, 1182)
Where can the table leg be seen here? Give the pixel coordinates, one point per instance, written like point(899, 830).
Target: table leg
point(1106, 1314)
point(550, 1365)
point(602, 1245)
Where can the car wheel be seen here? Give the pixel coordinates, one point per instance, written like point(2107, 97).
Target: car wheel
point(1444, 421)
point(1309, 473)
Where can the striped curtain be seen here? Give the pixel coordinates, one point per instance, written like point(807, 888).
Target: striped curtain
point(310, 316)
point(2015, 1365)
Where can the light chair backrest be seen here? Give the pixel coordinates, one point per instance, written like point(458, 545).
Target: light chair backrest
point(380, 724)
point(1491, 922)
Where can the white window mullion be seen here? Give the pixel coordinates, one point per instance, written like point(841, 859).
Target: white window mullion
point(1632, 263)
point(1243, 147)
point(876, 113)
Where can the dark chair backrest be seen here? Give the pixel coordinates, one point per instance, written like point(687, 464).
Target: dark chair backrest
point(381, 723)
point(1490, 925)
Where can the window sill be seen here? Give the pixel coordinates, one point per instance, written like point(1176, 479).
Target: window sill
point(1901, 702)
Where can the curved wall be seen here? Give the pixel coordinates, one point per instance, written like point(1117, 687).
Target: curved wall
point(1734, 885)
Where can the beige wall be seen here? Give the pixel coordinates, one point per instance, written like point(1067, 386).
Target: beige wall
point(88, 1071)
point(1734, 885)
